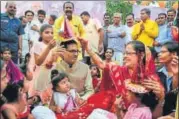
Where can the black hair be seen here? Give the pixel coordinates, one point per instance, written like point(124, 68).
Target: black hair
point(23, 66)
point(54, 17)
point(98, 71)
point(162, 14)
point(28, 12)
point(171, 10)
point(41, 12)
point(5, 49)
point(12, 91)
point(148, 99)
point(66, 3)
point(172, 47)
point(147, 11)
point(139, 47)
point(154, 52)
point(67, 43)
point(43, 28)
point(110, 49)
point(106, 14)
point(85, 13)
point(21, 18)
point(56, 77)
point(130, 14)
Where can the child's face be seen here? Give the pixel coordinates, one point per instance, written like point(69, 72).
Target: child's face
point(47, 35)
point(94, 71)
point(108, 54)
point(64, 85)
point(6, 55)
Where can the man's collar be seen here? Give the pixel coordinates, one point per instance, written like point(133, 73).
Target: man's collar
point(69, 65)
point(6, 14)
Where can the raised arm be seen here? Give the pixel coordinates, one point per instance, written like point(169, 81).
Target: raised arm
point(39, 59)
point(97, 60)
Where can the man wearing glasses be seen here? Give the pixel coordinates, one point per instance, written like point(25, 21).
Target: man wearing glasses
point(78, 72)
point(164, 32)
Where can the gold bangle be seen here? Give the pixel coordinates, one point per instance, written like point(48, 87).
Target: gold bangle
point(91, 53)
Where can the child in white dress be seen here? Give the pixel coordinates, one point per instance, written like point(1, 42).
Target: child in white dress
point(64, 98)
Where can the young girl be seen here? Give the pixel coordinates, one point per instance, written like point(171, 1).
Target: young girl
point(140, 105)
point(41, 63)
point(12, 70)
point(95, 73)
point(64, 99)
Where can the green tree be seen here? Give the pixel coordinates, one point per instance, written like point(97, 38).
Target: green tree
point(122, 6)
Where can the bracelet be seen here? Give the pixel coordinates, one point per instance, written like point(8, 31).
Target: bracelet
point(91, 53)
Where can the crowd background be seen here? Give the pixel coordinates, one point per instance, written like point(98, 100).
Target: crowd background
point(68, 64)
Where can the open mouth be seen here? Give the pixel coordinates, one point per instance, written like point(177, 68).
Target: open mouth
point(68, 12)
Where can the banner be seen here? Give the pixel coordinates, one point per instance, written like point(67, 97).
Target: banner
point(95, 8)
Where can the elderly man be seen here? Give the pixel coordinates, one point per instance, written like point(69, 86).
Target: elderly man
point(147, 30)
point(78, 72)
point(117, 38)
point(11, 31)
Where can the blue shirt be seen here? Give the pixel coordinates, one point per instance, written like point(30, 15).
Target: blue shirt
point(10, 31)
point(114, 41)
point(164, 36)
point(168, 78)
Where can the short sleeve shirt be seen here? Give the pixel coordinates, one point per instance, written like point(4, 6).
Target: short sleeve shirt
point(10, 31)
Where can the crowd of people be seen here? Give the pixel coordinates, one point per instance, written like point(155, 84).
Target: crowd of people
point(73, 67)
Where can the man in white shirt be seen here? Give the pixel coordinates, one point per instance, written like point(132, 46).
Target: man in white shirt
point(36, 24)
point(129, 25)
point(94, 34)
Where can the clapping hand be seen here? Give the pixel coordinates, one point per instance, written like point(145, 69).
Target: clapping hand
point(142, 27)
point(155, 86)
point(174, 65)
point(123, 34)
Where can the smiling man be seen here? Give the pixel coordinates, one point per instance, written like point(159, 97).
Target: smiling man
point(77, 72)
point(74, 20)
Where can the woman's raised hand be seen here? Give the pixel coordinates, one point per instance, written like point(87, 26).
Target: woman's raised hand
point(84, 43)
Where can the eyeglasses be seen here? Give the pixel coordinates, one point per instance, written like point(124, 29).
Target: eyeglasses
point(73, 51)
point(108, 52)
point(163, 52)
point(129, 53)
point(161, 17)
point(29, 15)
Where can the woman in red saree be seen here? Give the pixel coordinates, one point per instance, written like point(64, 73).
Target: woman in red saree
point(139, 66)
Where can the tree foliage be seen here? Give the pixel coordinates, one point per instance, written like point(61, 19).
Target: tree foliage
point(121, 6)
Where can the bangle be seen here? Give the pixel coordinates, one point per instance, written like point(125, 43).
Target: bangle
point(91, 53)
